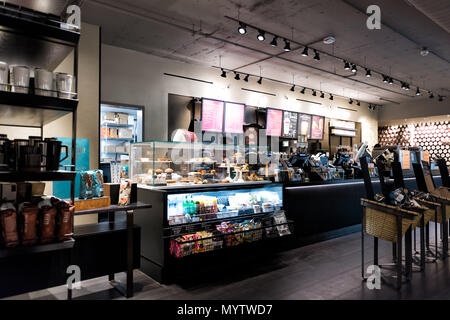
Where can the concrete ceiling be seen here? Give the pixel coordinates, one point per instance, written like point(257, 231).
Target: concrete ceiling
point(197, 31)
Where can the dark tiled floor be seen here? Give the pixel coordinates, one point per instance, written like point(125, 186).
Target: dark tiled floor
point(326, 270)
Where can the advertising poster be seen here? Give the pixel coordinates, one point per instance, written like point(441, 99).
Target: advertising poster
point(274, 122)
point(234, 117)
point(317, 127)
point(304, 123)
point(290, 124)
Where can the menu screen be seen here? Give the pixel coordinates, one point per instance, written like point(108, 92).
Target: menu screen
point(304, 124)
point(290, 123)
point(234, 117)
point(317, 128)
point(274, 122)
point(212, 115)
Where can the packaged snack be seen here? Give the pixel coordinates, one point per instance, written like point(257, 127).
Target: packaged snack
point(98, 183)
point(28, 223)
point(47, 221)
point(125, 192)
point(64, 219)
point(86, 185)
point(8, 221)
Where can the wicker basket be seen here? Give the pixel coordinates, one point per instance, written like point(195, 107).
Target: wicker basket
point(384, 226)
point(439, 215)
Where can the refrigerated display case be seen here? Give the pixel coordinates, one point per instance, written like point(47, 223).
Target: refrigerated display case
point(198, 221)
point(165, 163)
point(119, 126)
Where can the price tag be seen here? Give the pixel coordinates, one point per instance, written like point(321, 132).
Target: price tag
point(406, 160)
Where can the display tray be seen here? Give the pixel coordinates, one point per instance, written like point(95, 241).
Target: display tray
point(212, 185)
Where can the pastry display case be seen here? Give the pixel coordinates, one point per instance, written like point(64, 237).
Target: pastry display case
point(164, 163)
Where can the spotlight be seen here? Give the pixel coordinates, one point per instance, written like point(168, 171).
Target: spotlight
point(403, 86)
point(316, 55)
point(293, 88)
point(305, 52)
point(351, 101)
point(431, 95)
point(261, 35)
point(224, 74)
point(237, 76)
point(287, 45)
point(385, 78)
point(391, 81)
point(274, 42)
point(314, 93)
point(346, 65)
point(246, 78)
point(303, 91)
point(322, 95)
point(242, 28)
point(260, 80)
point(441, 98)
point(354, 68)
point(358, 104)
point(368, 73)
point(406, 87)
point(331, 97)
point(418, 92)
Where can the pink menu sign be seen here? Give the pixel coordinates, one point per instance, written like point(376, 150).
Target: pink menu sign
point(212, 115)
point(274, 122)
point(234, 118)
point(317, 128)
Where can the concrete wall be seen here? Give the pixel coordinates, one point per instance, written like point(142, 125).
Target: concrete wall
point(136, 78)
point(420, 109)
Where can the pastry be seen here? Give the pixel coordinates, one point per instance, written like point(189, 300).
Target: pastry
point(169, 170)
point(150, 171)
point(158, 171)
point(164, 159)
point(185, 181)
point(213, 171)
point(225, 181)
point(170, 181)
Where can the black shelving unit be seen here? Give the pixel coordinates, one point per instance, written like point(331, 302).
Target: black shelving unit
point(36, 40)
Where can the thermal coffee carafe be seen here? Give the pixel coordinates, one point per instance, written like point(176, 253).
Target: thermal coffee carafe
point(5, 150)
point(53, 153)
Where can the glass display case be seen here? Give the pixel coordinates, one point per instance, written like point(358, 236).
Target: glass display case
point(164, 163)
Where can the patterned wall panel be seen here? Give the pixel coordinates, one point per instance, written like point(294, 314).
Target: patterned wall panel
point(431, 136)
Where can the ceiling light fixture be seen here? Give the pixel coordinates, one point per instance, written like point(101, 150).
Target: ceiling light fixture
point(354, 68)
point(391, 81)
point(431, 95)
point(274, 42)
point(418, 92)
point(261, 35)
point(329, 40)
point(260, 80)
point(293, 88)
point(303, 91)
point(441, 98)
point(246, 78)
point(287, 45)
point(351, 101)
point(224, 74)
point(237, 76)
point(322, 95)
point(368, 73)
point(346, 65)
point(316, 55)
point(385, 78)
point(331, 97)
point(424, 52)
point(314, 93)
point(305, 52)
point(242, 28)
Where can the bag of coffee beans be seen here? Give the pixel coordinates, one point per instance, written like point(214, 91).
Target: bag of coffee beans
point(28, 223)
point(8, 222)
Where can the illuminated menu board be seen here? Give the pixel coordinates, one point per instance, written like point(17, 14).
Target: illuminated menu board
point(234, 118)
point(212, 115)
point(290, 124)
point(304, 125)
point(317, 128)
point(274, 122)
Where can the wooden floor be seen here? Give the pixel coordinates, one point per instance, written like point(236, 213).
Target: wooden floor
point(326, 270)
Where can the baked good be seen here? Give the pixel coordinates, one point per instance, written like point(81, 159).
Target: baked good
point(224, 181)
point(185, 181)
point(213, 171)
point(170, 181)
point(169, 170)
point(158, 171)
point(150, 171)
point(164, 159)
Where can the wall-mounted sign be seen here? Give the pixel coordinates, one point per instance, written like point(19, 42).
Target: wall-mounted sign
point(317, 127)
point(212, 115)
point(274, 122)
point(234, 117)
point(342, 132)
point(290, 124)
point(343, 124)
point(304, 125)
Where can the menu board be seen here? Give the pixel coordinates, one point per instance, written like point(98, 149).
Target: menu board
point(406, 160)
point(234, 117)
point(317, 128)
point(304, 125)
point(274, 122)
point(212, 115)
point(290, 124)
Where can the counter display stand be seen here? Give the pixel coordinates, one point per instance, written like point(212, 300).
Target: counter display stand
point(23, 28)
point(171, 238)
